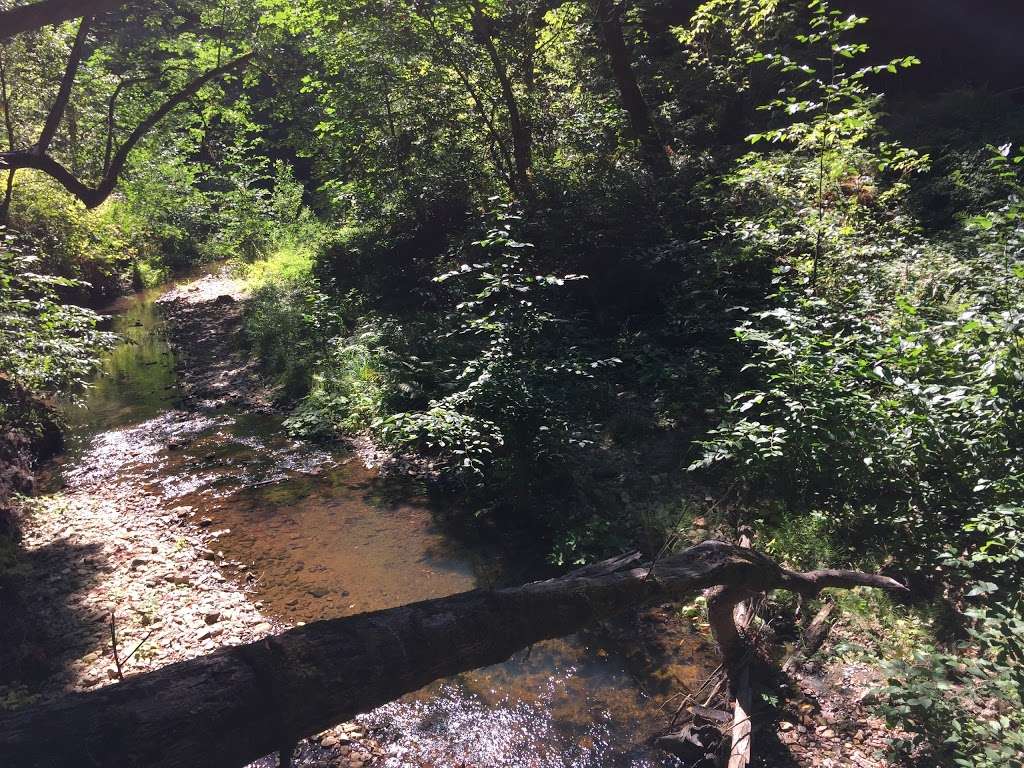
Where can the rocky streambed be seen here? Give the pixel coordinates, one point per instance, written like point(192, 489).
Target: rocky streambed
point(113, 576)
point(182, 518)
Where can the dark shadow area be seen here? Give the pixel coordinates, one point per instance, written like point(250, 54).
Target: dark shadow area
point(46, 625)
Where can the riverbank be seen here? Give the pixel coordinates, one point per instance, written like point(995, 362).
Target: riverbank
point(190, 528)
point(111, 576)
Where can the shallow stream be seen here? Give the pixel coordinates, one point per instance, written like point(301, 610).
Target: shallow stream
point(318, 535)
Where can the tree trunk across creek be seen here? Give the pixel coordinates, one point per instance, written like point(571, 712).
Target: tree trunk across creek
point(239, 703)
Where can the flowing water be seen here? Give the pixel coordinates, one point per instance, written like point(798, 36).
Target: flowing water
point(322, 536)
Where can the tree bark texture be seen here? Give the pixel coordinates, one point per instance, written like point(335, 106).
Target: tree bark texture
point(239, 703)
point(641, 121)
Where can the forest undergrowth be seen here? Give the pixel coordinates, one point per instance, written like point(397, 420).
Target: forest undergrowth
point(612, 303)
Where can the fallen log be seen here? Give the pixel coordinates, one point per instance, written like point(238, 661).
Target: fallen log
point(239, 703)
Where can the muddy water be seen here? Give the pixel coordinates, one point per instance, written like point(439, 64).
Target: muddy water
point(314, 534)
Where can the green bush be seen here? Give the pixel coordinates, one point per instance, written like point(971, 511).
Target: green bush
point(962, 705)
point(256, 208)
point(49, 345)
point(507, 388)
point(162, 200)
point(276, 329)
point(350, 386)
point(90, 247)
point(887, 378)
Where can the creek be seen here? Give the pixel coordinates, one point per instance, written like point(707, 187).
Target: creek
point(319, 535)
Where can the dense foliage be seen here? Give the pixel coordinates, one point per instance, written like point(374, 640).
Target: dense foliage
point(589, 266)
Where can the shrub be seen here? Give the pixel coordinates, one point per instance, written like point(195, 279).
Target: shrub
point(49, 345)
point(90, 247)
point(350, 385)
point(962, 706)
point(512, 382)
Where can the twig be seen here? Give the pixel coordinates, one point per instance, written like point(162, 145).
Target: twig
point(139, 645)
point(674, 538)
point(113, 644)
point(118, 661)
point(691, 698)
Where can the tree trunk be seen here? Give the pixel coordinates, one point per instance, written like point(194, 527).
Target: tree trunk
point(239, 703)
point(641, 121)
point(5, 104)
point(522, 149)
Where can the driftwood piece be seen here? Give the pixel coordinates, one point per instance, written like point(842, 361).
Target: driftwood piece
point(813, 637)
point(694, 743)
point(238, 703)
point(818, 629)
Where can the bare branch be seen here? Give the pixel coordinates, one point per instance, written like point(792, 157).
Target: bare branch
point(64, 92)
point(93, 196)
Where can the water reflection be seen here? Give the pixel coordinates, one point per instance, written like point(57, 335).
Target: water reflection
point(137, 380)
